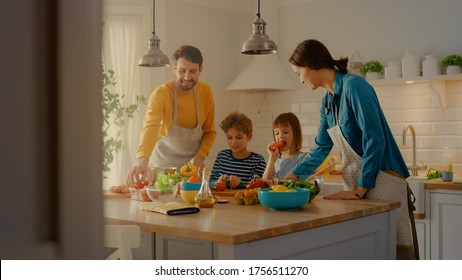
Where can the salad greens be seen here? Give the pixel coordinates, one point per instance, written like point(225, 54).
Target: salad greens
point(314, 188)
point(167, 181)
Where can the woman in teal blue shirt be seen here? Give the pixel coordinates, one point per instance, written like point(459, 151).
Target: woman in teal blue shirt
point(353, 121)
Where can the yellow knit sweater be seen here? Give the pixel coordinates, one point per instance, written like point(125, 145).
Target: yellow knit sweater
point(159, 117)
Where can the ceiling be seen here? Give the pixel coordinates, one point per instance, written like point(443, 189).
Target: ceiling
point(240, 6)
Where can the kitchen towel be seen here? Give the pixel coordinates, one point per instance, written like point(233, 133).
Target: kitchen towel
point(169, 208)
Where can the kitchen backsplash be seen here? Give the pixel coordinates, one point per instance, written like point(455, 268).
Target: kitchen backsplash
point(438, 130)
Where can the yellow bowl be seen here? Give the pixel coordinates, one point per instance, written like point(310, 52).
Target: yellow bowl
point(188, 191)
point(188, 195)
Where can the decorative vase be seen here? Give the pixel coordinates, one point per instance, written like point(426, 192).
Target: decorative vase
point(431, 66)
point(453, 69)
point(393, 70)
point(372, 75)
point(411, 65)
point(447, 176)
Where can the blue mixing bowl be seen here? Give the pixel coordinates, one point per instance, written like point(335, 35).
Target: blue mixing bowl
point(284, 200)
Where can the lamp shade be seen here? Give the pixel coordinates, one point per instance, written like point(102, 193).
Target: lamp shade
point(259, 42)
point(154, 57)
point(264, 73)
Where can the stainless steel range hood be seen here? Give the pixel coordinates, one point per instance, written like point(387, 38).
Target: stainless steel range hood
point(264, 73)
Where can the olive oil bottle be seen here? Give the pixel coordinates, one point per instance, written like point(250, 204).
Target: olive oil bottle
point(204, 198)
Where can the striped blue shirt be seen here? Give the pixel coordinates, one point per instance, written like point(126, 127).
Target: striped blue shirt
point(245, 169)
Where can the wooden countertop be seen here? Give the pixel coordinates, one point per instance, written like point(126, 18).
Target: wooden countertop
point(235, 224)
point(439, 184)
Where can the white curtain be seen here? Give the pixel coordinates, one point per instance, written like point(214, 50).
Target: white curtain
point(122, 47)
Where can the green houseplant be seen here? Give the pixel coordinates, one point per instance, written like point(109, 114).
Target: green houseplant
point(453, 63)
point(371, 66)
point(114, 116)
point(452, 60)
point(372, 70)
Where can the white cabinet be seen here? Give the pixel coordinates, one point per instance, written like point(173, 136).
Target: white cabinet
point(445, 224)
point(171, 247)
point(423, 239)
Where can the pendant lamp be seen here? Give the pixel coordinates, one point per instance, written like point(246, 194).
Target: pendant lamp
point(154, 57)
point(259, 42)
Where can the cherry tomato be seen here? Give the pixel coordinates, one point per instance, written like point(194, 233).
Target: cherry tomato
point(139, 185)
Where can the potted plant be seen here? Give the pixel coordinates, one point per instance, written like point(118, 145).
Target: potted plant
point(447, 174)
point(453, 63)
point(372, 69)
point(114, 116)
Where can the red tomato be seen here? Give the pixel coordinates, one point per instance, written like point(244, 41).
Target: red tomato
point(139, 185)
point(221, 186)
point(259, 183)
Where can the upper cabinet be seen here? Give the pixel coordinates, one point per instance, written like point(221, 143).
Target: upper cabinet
point(437, 84)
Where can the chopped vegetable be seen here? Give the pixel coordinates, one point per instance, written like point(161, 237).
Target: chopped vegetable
point(256, 184)
point(163, 180)
point(220, 186)
point(314, 188)
point(277, 145)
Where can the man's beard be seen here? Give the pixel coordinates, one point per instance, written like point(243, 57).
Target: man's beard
point(188, 86)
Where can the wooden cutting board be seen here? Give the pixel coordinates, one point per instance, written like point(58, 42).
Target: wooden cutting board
point(108, 194)
point(230, 193)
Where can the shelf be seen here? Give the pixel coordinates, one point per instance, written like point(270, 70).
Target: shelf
point(437, 84)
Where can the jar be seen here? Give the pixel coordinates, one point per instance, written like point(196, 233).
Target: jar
point(431, 66)
point(393, 70)
point(411, 65)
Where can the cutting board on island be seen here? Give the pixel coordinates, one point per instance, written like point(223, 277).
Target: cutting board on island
point(229, 192)
point(109, 194)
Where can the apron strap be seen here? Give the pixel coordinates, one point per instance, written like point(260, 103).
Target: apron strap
point(411, 208)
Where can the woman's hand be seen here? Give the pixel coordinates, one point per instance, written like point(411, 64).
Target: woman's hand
point(359, 193)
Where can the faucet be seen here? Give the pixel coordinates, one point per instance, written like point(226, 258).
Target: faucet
point(414, 167)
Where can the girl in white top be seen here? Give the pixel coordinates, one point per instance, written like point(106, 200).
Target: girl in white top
point(285, 127)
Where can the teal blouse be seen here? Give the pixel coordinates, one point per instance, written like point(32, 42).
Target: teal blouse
point(363, 125)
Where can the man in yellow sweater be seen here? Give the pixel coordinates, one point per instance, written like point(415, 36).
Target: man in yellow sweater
point(179, 122)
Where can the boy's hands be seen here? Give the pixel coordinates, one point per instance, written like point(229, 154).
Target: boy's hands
point(234, 181)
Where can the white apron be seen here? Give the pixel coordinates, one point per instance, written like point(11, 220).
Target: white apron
point(180, 144)
point(387, 186)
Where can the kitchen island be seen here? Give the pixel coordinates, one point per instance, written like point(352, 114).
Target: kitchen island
point(322, 229)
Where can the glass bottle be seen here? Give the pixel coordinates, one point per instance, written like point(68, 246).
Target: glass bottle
point(204, 198)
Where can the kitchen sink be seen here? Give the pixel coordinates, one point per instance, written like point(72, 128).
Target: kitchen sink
point(417, 185)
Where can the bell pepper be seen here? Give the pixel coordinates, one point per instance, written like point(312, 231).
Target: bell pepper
point(277, 145)
point(188, 170)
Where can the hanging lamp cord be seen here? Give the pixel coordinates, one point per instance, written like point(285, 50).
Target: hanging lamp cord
point(258, 13)
point(153, 17)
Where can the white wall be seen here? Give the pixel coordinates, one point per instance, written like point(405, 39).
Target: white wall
point(381, 30)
